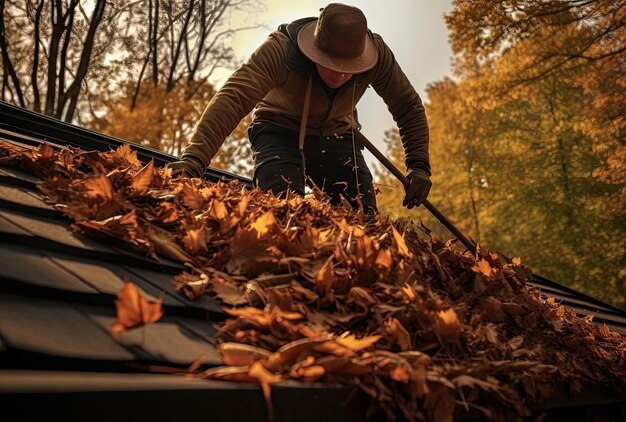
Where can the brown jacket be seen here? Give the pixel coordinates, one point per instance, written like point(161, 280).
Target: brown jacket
point(274, 80)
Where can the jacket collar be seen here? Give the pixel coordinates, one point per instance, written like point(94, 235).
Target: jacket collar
point(296, 60)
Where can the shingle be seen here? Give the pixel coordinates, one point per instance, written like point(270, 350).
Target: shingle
point(165, 282)
point(109, 279)
point(55, 328)
point(19, 196)
point(163, 341)
point(54, 234)
point(17, 177)
point(28, 266)
point(208, 331)
point(9, 228)
point(53, 230)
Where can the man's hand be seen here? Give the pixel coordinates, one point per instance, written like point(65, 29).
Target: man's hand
point(418, 188)
point(188, 166)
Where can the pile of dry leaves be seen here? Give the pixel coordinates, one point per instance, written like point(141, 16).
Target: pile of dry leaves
point(319, 294)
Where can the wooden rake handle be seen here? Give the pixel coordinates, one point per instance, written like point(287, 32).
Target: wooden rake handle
point(430, 207)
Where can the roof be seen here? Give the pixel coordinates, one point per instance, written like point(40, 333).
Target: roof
point(57, 303)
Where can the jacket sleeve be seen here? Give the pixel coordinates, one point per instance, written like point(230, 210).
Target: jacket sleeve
point(405, 106)
point(237, 97)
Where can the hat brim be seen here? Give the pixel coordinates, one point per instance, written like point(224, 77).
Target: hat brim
point(363, 63)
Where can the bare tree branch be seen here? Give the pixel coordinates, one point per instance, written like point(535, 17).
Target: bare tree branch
point(176, 53)
point(74, 89)
point(33, 75)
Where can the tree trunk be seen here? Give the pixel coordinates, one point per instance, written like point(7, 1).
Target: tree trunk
point(56, 13)
point(83, 65)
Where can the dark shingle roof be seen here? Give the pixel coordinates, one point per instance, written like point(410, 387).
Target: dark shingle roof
point(57, 295)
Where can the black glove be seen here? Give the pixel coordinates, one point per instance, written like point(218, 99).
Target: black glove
point(417, 189)
point(189, 166)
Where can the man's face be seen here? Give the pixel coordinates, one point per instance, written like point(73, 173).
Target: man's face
point(331, 78)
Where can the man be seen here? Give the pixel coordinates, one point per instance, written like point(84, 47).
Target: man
point(304, 82)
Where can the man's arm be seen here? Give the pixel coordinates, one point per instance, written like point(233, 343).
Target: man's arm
point(407, 110)
point(238, 96)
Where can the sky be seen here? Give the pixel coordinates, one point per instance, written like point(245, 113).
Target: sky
point(414, 30)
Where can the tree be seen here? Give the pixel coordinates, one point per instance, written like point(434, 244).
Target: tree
point(137, 70)
point(167, 86)
point(480, 32)
point(51, 48)
point(586, 39)
point(527, 142)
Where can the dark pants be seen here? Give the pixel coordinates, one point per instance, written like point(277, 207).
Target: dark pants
point(328, 160)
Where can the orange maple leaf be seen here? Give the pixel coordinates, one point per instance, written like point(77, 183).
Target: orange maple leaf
point(191, 196)
point(133, 309)
point(264, 223)
point(483, 267)
point(99, 187)
point(142, 179)
point(127, 153)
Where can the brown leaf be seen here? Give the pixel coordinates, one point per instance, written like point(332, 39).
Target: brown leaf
point(191, 196)
point(243, 204)
point(45, 151)
point(483, 267)
point(195, 241)
point(356, 344)
point(400, 374)
point(332, 347)
point(165, 245)
point(324, 278)
point(492, 309)
point(440, 404)
point(343, 366)
point(218, 210)
point(266, 379)
point(487, 332)
point(408, 290)
point(399, 333)
point(400, 243)
point(241, 354)
point(230, 293)
point(248, 253)
point(142, 179)
point(134, 310)
point(384, 260)
point(465, 380)
point(307, 373)
point(193, 286)
point(219, 213)
point(99, 187)
point(125, 152)
point(291, 352)
point(447, 325)
point(264, 224)
point(418, 386)
point(166, 213)
point(230, 373)
point(516, 342)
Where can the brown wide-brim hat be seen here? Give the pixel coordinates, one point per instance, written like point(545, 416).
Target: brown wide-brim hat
point(339, 40)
